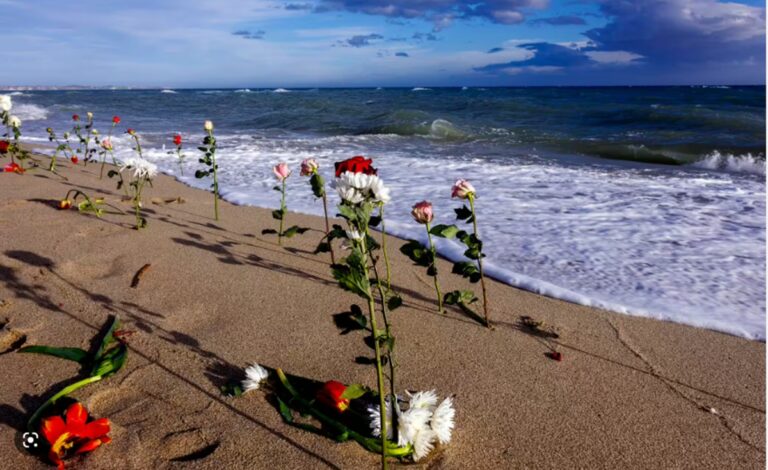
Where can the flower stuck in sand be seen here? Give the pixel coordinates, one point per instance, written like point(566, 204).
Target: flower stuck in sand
point(6, 103)
point(14, 122)
point(106, 144)
point(331, 394)
point(422, 213)
point(4, 146)
point(462, 189)
point(177, 141)
point(142, 173)
point(115, 120)
point(208, 126)
point(74, 159)
point(310, 167)
point(254, 376)
point(282, 172)
point(209, 159)
point(75, 117)
point(74, 434)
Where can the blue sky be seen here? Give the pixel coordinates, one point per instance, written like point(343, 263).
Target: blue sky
point(309, 43)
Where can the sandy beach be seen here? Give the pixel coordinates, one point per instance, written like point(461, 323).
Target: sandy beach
point(629, 393)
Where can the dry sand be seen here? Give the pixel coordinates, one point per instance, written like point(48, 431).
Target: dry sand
point(629, 393)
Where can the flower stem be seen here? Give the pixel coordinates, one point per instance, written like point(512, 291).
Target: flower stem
point(434, 267)
point(327, 227)
point(63, 392)
point(480, 262)
point(215, 177)
point(377, 350)
point(384, 245)
point(283, 213)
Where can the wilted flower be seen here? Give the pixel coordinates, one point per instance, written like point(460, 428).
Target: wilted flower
point(177, 139)
point(106, 144)
point(462, 189)
point(309, 166)
point(115, 120)
point(65, 204)
point(208, 126)
point(281, 171)
point(330, 395)
point(442, 420)
point(75, 435)
point(422, 212)
point(141, 168)
point(14, 122)
point(5, 103)
point(254, 375)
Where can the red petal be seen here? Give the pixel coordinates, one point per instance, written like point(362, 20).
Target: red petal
point(89, 446)
point(96, 429)
point(52, 428)
point(76, 415)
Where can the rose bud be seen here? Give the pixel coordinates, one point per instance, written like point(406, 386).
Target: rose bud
point(130, 131)
point(106, 144)
point(422, 212)
point(75, 117)
point(462, 189)
point(330, 396)
point(309, 167)
point(65, 204)
point(74, 159)
point(90, 115)
point(208, 126)
point(177, 139)
point(115, 119)
point(281, 171)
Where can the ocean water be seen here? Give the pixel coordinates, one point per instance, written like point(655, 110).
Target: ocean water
point(645, 201)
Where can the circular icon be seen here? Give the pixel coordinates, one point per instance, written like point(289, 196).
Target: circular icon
point(29, 440)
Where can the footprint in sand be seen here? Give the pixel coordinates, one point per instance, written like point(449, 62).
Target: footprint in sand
point(10, 339)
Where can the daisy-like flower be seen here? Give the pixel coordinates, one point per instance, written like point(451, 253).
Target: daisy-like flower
point(358, 187)
point(14, 122)
point(426, 400)
point(254, 375)
point(141, 168)
point(423, 443)
point(410, 422)
point(5, 103)
point(375, 417)
point(442, 420)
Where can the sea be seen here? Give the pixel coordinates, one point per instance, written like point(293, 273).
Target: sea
point(646, 201)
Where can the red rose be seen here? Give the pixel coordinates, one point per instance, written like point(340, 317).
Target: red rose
point(177, 139)
point(116, 119)
point(13, 168)
point(130, 131)
point(4, 144)
point(357, 164)
point(330, 396)
point(74, 159)
point(75, 117)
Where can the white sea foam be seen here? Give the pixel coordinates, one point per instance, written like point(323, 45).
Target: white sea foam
point(168, 91)
point(418, 88)
point(682, 247)
point(29, 112)
point(243, 90)
point(281, 90)
point(747, 163)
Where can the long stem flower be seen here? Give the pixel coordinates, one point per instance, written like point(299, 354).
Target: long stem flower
point(471, 198)
point(209, 159)
point(434, 270)
point(310, 167)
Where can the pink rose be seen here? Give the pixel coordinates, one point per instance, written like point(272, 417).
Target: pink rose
point(106, 144)
point(462, 189)
point(422, 212)
point(281, 171)
point(309, 166)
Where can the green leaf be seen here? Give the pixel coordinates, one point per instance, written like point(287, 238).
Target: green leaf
point(269, 231)
point(318, 185)
point(233, 388)
point(374, 221)
point(277, 214)
point(70, 354)
point(201, 174)
point(459, 297)
point(467, 269)
point(285, 411)
point(354, 391)
point(444, 231)
point(463, 213)
point(322, 247)
point(350, 274)
point(291, 231)
point(202, 149)
point(277, 188)
point(419, 254)
point(394, 302)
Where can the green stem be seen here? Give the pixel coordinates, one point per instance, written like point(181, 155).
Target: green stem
point(388, 332)
point(327, 227)
point(434, 267)
point(63, 392)
point(480, 262)
point(377, 349)
point(283, 213)
point(215, 177)
point(384, 245)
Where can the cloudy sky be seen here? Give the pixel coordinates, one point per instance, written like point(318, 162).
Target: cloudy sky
point(309, 43)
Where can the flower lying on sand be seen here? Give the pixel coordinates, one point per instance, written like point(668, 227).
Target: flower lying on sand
point(254, 376)
point(421, 425)
point(13, 168)
point(331, 394)
point(65, 204)
point(73, 435)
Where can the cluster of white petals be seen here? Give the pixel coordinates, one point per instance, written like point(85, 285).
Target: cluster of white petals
point(254, 376)
point(140, 167)
point(14, 122)
point(421, 425)
point(5, 103)
point(355, 188)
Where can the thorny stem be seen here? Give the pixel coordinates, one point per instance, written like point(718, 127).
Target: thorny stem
point(327, 227)
point(480, 262)
point(434, 266)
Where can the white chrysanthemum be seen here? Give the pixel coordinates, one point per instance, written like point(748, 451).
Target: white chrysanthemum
point(14, 121)
point(141, 168)
point(442, 420)
point(358, 187)
point(5, 103)
point(254, 375)
point(375, 415)
point(423, 443)
point(426, 400)
point(380, 192)
point(410, 423)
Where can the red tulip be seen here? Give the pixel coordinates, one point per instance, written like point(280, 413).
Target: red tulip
point(116, 120)
point(177, 139)
point(65, 204)
point(74, 159)
point(13, 168)
point(75, 117)
point(357, 164)
point(330, 396)
point(75, 435)
point(4, 144)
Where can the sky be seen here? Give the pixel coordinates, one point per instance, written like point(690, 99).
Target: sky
point(360, 43)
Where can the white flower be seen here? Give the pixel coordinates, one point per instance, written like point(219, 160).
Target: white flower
point(423, 443)
point(254, 375)
point(5, 103)
point(14, 122)
point(410, 423)
point(426, 400)
point(442, 420)
point(358, 187)
point(90, 115)
point(380, 192)
point(354, 235)
point(375, 416)
point(141, 168)
point(208, 126)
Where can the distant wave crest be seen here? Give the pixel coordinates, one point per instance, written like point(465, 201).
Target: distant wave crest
point(746, 163)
